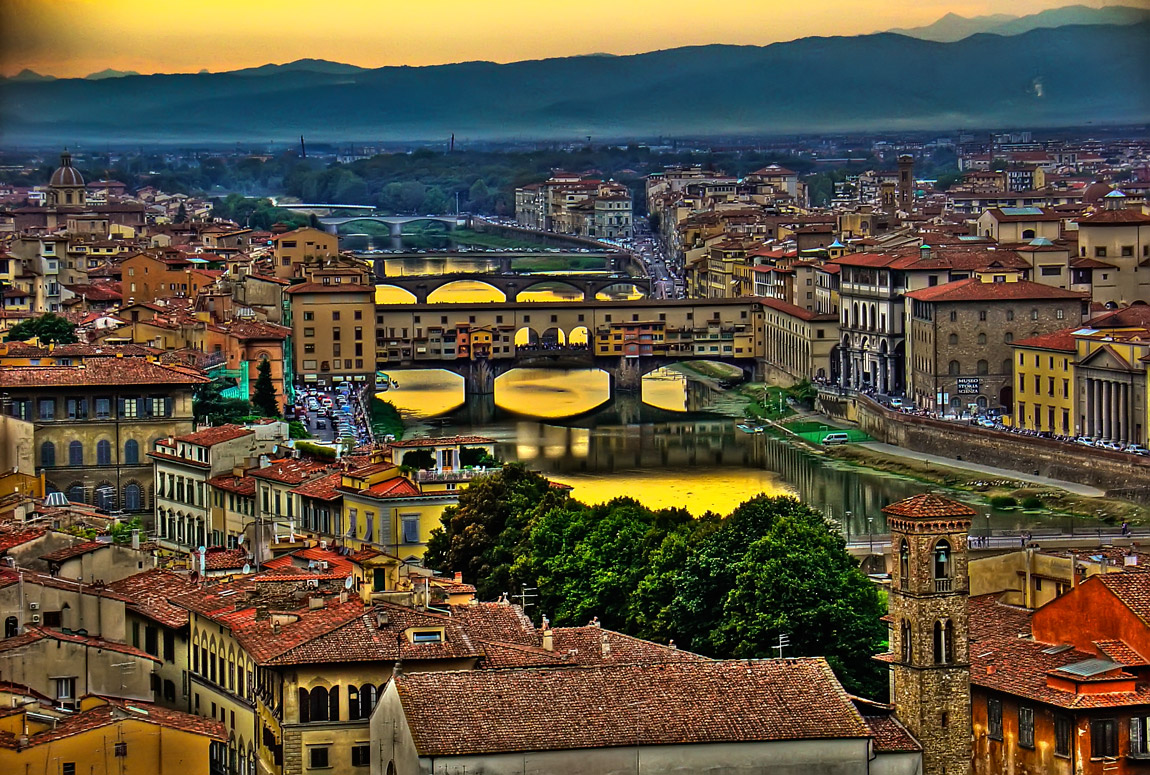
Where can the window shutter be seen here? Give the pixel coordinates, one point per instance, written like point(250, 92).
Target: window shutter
point(1136, 733)
point(167, 407)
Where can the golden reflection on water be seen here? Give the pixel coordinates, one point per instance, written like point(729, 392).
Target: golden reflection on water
point(424, 392)
point(552, 392)
point(706, 489)
point(665, 389)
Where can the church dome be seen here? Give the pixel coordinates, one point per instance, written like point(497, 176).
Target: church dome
point(66, 174)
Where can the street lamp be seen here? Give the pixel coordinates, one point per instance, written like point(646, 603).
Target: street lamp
point(870, 534)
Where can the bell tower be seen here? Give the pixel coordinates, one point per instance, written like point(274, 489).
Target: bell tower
point(930, 645)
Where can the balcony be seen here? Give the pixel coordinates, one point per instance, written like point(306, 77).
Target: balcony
point(457, 475)
point(942, 585)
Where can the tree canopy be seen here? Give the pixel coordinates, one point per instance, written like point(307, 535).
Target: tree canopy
point(726, 587)
point(264, 399)
point(209, 406)
point(49, 328)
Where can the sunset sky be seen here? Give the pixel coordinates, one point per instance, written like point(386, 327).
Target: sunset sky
point(69, 38)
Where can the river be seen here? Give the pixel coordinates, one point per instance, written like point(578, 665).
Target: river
point(665, 447)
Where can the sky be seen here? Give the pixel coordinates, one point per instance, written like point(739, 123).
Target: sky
point(72, 38)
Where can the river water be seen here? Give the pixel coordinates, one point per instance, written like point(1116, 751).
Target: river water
point(669, 446)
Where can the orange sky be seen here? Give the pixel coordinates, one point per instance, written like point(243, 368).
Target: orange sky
point(76, 37)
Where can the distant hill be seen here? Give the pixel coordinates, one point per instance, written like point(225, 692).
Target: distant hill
point(302, 65)
point(952, 27)
point(1045, 77)
point(109, 73)
point(32, 75)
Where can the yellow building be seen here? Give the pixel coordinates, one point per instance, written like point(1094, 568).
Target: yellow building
point(799, 343)
point(109, 737)
point(1044, 395)
point(292, 247)
point(386, 509)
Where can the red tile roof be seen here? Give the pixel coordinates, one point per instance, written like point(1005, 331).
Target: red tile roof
point(1058, 340)
point(604, 706)
point(290, 471)
point(792, 310)
point(974, 289)
point(324, 488)
point(890, 735)
point(429, 441)
point(1133, 589)
point(928, 505)
point(240, 485)
point(33, 634)
point(216, 435)
point(320, 288)
point(216, 558)
point(399, 487)
point(68, 552)
point(1115, 218)
point(151, 594)
point(98, 371)
point(14, 537)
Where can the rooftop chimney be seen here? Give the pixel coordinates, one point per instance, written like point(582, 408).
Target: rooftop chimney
point(548, 640)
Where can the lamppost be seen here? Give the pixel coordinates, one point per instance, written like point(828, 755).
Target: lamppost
point(848, 516)
point(870, 534)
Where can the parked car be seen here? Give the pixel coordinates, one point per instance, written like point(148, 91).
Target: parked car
point(836, 438)
point(1138, 449)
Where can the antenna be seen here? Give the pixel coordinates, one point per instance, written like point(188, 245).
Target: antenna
point(247, 568)
point(784, 642)
point(526, 596)
point(348, 582)
point(240, 540)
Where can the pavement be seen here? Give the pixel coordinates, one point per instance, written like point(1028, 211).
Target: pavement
point(992, 472)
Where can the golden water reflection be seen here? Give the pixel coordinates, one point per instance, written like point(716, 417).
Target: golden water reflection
point(424, 392)
point(665, 389)
point(552, 392)
point(706, 489)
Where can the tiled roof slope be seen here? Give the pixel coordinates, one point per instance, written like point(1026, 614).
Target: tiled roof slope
point(1133, 589)
point(928, 505)
point(151, 593)
point(974, 289)
point(891, 736)
point(217, 435)
point(98, 371)
point(491, 711)
point(116, 710)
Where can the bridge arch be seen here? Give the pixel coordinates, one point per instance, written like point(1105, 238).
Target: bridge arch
point(527, 337)
point(454, 290)
point(553, 337)
point(614, 291)
point(385, 293)
point(579, 336)
point(548, 286)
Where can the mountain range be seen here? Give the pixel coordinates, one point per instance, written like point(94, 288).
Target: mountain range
point(1069, 75)
point(953, 27)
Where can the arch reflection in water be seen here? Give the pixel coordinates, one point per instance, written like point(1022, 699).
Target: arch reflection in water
point(425, 392)
point(665, 389)
point(552, 392)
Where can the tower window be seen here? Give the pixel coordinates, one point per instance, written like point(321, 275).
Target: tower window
point(903, 564)
point(994, 718)
point(943, 642)
point(942, 561)
point(907, 632)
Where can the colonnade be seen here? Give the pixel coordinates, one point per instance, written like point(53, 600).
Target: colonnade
point(1108, 410)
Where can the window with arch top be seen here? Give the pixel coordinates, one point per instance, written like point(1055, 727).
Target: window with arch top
point(943, 642)
point(903, 563)
point(907, 630)
point(942, 559)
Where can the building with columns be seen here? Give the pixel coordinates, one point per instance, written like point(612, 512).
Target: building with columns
point(1113, 353)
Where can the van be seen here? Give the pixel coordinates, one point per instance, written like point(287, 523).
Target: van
point(836, 438)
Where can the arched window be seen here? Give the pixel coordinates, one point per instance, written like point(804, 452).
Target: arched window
point(1028, 233)
point(304, 701)
point(942, 559)
point(11, 627)
point(132, 497)
point(76, 493)
point(952, 339)
point(982, 338)
point(367, 700)
point(103, 453)
point(1008, 337)
point(903, 563)
point(907, 651)
point(953, 368)
point(76, 453)
point(47, 454)
point(333, 704)
point(131, 452)
point(983, 367)
point(319, 702)
point(943, 642)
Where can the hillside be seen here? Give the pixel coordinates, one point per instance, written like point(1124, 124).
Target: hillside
point(1045, 77)
point(953, 27)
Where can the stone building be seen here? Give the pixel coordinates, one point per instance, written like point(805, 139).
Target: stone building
point(1119, 238)
point(95, 422)
point(930, 651)
point(291, 248)
point(962, 336)
point(333, 330)
point(800, 344)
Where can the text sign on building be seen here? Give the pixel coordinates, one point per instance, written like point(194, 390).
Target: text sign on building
point(968, 384)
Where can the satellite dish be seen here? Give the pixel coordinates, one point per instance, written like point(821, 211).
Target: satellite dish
point(202, 549)
point(247, 568)
point(348, 582)
point(240, 540)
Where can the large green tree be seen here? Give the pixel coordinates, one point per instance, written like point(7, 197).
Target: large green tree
point(48, 328)
point(264, 399)
point(210, 407)
point(486, 533)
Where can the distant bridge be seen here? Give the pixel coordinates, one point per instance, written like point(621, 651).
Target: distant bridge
point(395, 222)
point(313, 208)
point(627, 339)
point(511, 284)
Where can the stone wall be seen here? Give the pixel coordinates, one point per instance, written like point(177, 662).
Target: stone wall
point(1058, 460)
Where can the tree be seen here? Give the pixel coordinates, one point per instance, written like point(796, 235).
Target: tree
point(264, 401)
point(778, 567)
point(803, 392)
point(48, 328)
point(210, 407)
point(181, 213)
point(486, 534)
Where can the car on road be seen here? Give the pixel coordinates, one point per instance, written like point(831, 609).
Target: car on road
point(1138, 449)
point(320, 425)
point(1108, 445)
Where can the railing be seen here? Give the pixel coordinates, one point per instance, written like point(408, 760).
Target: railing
point(462, 474)
point(942, 585)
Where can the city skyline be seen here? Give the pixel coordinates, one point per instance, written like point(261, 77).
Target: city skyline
point(73, 38)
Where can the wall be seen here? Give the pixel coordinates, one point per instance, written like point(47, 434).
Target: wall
point(98, 614)
point(1097, 468)
point(97, 671)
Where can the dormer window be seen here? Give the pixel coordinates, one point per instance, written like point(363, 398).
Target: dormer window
point(426, 636)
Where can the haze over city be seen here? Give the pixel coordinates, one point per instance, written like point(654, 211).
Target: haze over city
point(73, 38)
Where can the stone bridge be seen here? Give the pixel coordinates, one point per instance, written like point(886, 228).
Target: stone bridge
point(511, 284)
point(396, 222)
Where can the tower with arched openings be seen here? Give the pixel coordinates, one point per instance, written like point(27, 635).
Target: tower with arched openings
point(930, 646)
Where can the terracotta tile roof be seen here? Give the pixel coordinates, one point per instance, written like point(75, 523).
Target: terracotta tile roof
point(240, 485)
point(496, 622)
point(428, 441)
point(290, 471)
point(399, 487)
point(500, 656)
point(301, 558)
point(14, 537)
point(320, 288)
point(792, 310)
point(98, 371)
point(122, 710)
point(79, 350)
point(890, 735)
point(217, 435)
point(151, 594)
point(974, 289)
point(10, 576)
point(1057, 340)
point(1133, 589)
point(218, 558)
point(323, 488)
point(258, 330)
point(672, 703)
point(1002, 217)
point(591, 645)
point(928, 505)
point(1115, 218)
point(1118, 651)
point(33, 634)
point(68, 552)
